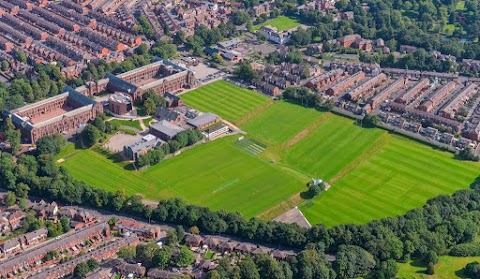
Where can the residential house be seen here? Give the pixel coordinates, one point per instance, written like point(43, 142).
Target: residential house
point(10, 246)
point(34, 237)
point(4, 225)
point(15, 219)
point(45, 210)
point(193, 240)
point(211, 242)
point(136, 270)
point(227, 246)
point(141, 229)
point(314, 49)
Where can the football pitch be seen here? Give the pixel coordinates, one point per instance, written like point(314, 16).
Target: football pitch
point(282, 23)
point(373, 173)
point(225, 99)
point(218, 174)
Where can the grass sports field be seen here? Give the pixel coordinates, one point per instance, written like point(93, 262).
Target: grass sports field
point(447, 267)
point(280, 122)
point(218, 174)
point(225, 99)
point(373, 173)
point(392, 177)
point(281, 23)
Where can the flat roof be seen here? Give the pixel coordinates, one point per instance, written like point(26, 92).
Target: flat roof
point(148, 141)
point(167, 128)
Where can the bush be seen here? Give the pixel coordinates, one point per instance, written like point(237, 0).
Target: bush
point(465, 250)
point(472, 270)
point(431, 257)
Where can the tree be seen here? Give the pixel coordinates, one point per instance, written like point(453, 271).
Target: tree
point(245, 71)
point(174, 146)
point(268, 267)
point(371, 120)
point(65, 222)
point(111, 127)
point(128, 253)
point(99, 123)
point(467, 154)
point(12, 135)
point(51, 255)
point(118, 200)
point(353, 261)
point(10, 198)
point(46, 145)
point(171, 238)
point(50, 145)
point(213, 274)
point(239, 18)
point(314, 190)
point(21, 57)
point(5, 66)
point(92, 264)
point(152, 101)
point(162, 257)
point(81, 270)
point(145, 253)
point(180, 37)
point(150, 106)
point(386, 270)
point(182, 138)
point(142, 49)
point(185, 257)
point(91, 135)
point(430, 269)
point(430, 257)
point(472, 270)
point(248, 269)
point(194, 230)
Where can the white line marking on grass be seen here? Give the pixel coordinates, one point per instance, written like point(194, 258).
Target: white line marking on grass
point(225, 185)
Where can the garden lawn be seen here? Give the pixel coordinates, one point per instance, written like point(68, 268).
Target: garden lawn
point(218, 175)
point(129, 123)
point(280, 122)
point(400, 175)
point(447, 267)
point(330, 147)
point(281, 23)
point(225, 99)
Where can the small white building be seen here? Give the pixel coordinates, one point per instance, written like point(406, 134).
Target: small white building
point(215, 131)
point(272, 34)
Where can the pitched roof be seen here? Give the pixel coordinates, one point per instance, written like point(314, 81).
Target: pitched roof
point(163, 113)
point(211, 242)
point(156, 273)
point(203, 119)
point(120, 83)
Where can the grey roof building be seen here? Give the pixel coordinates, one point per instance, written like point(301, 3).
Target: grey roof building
point(165, 130)
point(133, 150)
point(163, 113)
point(204, 120)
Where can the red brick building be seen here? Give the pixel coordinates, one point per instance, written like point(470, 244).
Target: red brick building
point(64, 112)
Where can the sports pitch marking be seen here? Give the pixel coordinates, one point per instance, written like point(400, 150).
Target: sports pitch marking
point(251, 146)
